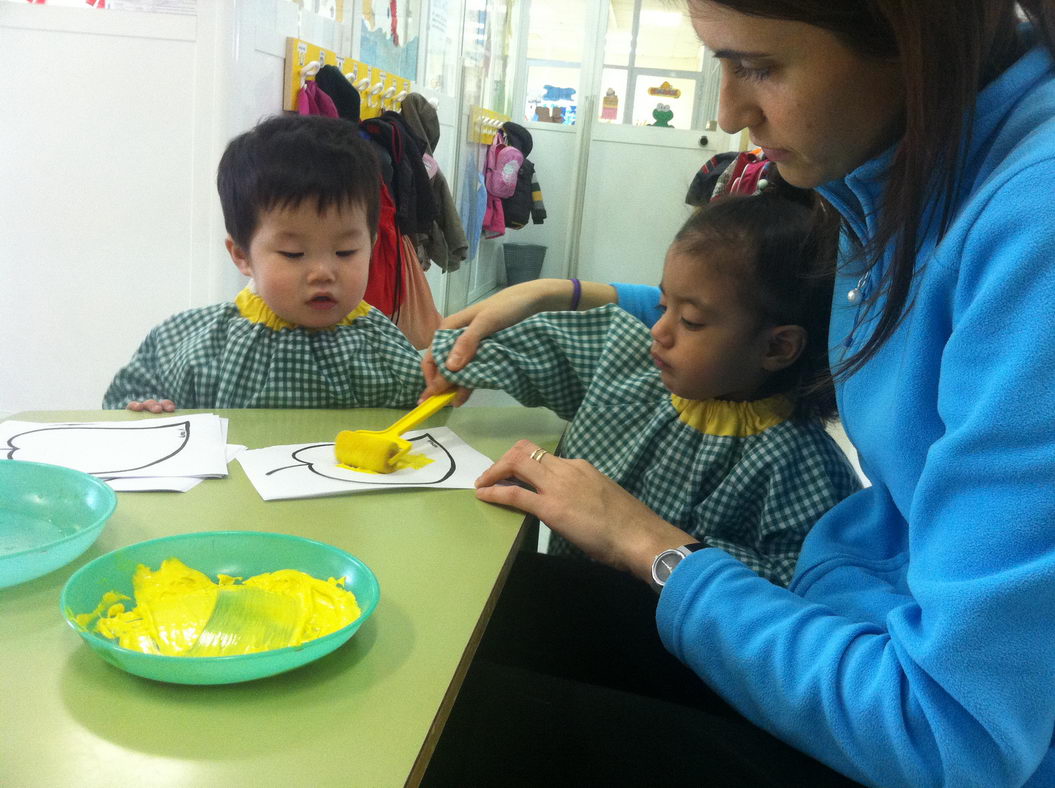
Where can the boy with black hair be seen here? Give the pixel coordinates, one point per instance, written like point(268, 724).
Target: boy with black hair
point(300, 198)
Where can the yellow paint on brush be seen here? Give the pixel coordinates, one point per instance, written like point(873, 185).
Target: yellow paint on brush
point(180, 611)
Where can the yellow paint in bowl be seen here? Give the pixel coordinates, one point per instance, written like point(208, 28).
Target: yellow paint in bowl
point(180, 611)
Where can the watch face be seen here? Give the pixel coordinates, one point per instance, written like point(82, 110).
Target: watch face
point(664, 565)
point(667, 563)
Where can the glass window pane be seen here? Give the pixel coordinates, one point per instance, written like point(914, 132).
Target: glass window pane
point(552, 94)
point(613, 95)
point(442, 42)
point(485, 55)
point(665, 38)
point(712, 82)
point(619, 33)
point(557, 30)
point(664, 101)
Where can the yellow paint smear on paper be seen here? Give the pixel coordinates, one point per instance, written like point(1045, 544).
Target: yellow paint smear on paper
point(408, 460)
point(180, 611)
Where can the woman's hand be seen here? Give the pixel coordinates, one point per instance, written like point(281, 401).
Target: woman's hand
point(505, 308)
point(582, 505)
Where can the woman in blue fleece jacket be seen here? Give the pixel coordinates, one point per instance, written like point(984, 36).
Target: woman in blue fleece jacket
point(916, 643)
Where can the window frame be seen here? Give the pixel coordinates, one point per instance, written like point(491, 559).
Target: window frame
point(705, 79)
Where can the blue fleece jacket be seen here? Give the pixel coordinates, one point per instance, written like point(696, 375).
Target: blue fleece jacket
point(916, 643)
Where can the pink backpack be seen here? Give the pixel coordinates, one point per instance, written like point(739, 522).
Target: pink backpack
point(503, 164)
point(500, 181)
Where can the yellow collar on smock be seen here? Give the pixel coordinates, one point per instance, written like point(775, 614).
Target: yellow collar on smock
point(254, 309)
point(733, 419)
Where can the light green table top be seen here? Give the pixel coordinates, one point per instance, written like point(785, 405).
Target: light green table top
point(367, 715)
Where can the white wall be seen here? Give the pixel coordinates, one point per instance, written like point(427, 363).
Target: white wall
point(100, 166)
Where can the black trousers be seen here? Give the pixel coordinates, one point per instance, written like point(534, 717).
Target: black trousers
point(571, 686)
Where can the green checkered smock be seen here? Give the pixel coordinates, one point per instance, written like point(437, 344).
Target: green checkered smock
point(741, 476)
point(242, 355)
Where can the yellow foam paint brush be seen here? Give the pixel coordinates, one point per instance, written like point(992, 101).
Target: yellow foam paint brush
point(380, 450)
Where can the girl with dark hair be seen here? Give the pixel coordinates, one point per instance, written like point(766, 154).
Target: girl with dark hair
point(915, 644)
point(715, 419)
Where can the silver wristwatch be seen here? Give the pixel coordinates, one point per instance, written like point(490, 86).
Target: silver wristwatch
point(665, 562)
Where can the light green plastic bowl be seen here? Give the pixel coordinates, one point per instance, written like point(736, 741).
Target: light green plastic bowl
point(49, 515)
point(237, 553)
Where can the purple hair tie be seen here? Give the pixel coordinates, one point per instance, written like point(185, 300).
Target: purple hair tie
point(576, 294)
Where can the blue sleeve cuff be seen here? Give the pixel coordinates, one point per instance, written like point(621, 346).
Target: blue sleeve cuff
point(642, 301)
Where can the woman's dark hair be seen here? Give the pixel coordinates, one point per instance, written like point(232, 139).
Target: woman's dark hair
point(780, 248)
point(290, 158)
point(947, 52)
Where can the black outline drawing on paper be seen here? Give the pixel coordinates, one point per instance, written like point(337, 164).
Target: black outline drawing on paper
point(329, 467)
point(57, 448)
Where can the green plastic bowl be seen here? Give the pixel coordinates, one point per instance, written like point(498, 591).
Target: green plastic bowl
point(49, 515)
point(237, 553)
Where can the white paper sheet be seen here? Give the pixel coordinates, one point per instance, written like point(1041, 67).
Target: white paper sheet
point(155, 483)
point(167, 483)
point(310, 470)
point(191, 445)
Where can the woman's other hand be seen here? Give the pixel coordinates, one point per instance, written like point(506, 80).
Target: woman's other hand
point(583, 505)
point(505, 308)
point(153, 405)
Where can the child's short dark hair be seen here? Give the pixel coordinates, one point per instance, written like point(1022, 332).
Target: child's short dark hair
point(289, 158)
point(780, 246)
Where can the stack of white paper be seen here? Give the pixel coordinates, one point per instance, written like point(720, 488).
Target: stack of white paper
point(173, 453)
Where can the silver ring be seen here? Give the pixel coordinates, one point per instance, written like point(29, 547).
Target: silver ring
point(538, 454)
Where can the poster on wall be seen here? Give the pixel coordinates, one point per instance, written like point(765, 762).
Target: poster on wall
point(389, 36)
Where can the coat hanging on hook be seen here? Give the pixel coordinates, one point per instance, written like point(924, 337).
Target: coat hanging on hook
point(384, 287)
point(345, 97)
point(526, 200)
point(312, 100)
point(415, 145)
point(415, 207)
point(445, 243)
